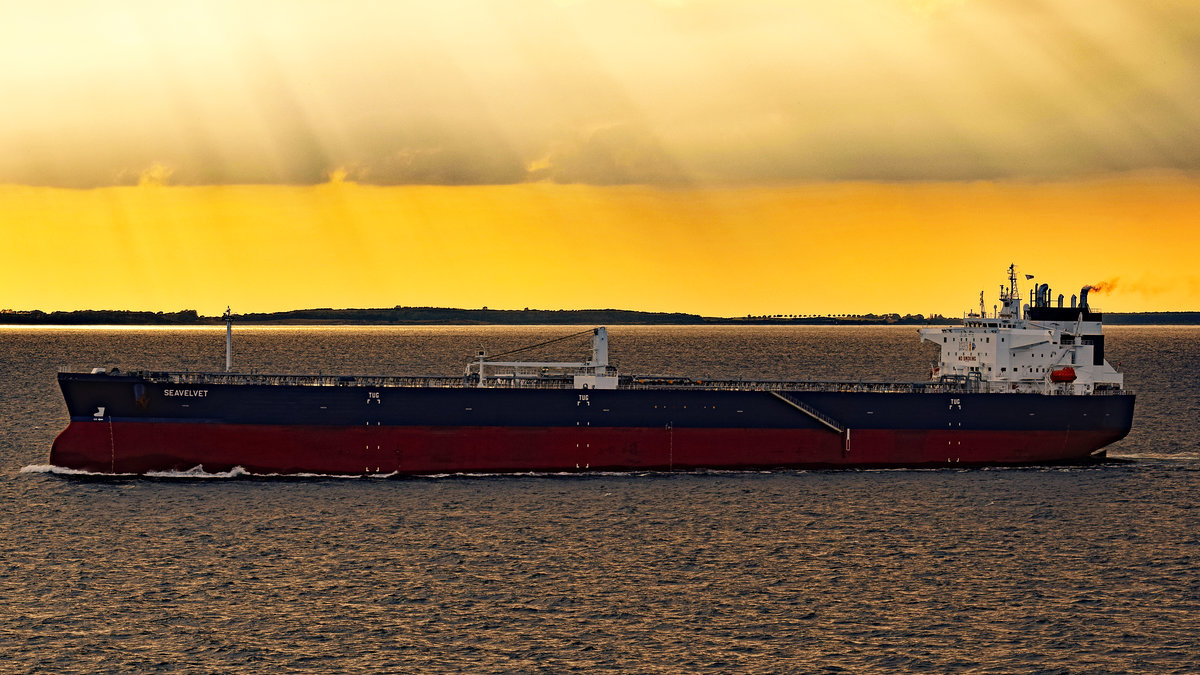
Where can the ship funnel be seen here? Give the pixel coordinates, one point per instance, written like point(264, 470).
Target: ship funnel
point(1060, 299)
point(1072, 302)
point(1043, 295)
point(1083, 297)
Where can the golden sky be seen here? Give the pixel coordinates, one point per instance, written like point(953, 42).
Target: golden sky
point(714, 156)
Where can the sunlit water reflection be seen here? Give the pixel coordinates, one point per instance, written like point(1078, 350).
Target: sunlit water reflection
point(1006, 570)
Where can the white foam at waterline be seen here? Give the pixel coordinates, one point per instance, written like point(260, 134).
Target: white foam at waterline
point(239, 472)
point(604, 474)
point(38, 468)
point(199, 472)
point(64, 471)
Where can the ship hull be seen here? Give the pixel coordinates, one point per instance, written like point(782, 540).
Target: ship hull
point(129, 425)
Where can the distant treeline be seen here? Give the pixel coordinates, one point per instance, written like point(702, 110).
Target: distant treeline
point(1152, 318)
point(443, 315)
point(449, 316)
point(85, 317)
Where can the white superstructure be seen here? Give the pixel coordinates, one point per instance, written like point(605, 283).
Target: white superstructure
point(1035, 348)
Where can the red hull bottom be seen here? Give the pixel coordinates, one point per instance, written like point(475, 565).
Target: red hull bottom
point(143, 447)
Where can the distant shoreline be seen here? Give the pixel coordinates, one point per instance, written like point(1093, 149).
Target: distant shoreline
point(438, 316)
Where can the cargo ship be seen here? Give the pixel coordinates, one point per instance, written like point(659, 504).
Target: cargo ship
point(1026, 384)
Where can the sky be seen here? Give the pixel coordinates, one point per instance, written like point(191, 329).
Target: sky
point(715, 157)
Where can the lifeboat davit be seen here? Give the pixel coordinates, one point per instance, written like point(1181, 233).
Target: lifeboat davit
point(1063, 375)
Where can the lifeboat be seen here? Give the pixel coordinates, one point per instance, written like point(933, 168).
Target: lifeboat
point(1063, 375)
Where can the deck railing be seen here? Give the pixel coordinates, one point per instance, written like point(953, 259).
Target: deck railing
point(625, 382)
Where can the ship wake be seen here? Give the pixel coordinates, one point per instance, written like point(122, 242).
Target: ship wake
point(195, 473)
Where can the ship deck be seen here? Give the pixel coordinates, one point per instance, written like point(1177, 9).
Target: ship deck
point(627, 382)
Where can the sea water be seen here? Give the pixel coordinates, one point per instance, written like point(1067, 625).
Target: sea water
point(1084, 569)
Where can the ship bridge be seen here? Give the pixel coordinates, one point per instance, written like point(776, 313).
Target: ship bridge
point(1037, 347)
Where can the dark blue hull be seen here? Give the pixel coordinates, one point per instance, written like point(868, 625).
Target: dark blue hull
point(134, 424)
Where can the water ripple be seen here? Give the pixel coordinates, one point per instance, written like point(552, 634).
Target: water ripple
point(1036, 569)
